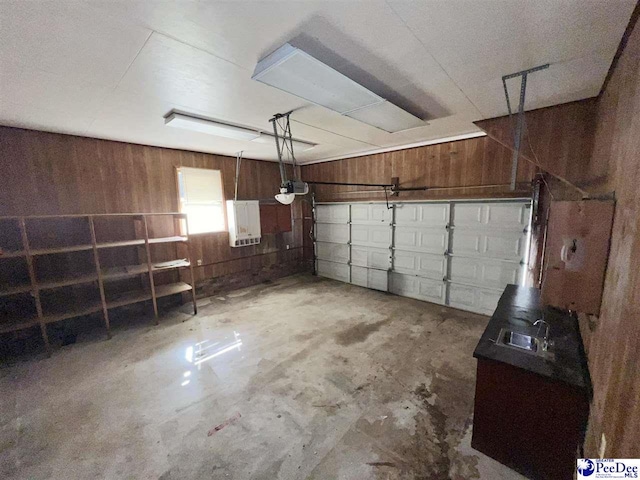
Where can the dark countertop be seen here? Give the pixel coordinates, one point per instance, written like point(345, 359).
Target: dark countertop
point(565, 360)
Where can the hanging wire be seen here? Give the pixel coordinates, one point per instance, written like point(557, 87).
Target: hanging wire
point(386, 197)
point(582, 192)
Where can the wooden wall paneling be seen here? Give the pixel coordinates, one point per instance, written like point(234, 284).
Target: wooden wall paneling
point(47, 173)
point(478, 161)
point(614, 350)
point(561, 137)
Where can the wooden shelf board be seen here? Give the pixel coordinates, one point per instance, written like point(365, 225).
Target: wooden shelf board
point(129, 298)
point(74, 311)
point(168, 239)
point(171, 289)
point(51, 250)
point(182, 263)
point(65, 282)
point(115, 273)
point(124, 243)
point(19, 325)
point(86, 215)
point(13, 253)
point(15, 290)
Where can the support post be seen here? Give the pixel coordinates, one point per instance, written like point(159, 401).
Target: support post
point(517, 136)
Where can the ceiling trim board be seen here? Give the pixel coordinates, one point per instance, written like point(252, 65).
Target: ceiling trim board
point(455, 138)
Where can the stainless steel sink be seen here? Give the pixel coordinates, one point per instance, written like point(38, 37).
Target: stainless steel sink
point(520, 341)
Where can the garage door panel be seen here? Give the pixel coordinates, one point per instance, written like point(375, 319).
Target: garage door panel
point(332, 232)
point(503, 216)
point(422, 264)
point(494, 244)
point(473, 299)
point(422, 215)
point(370, 214)
point(418, 287)
point(427, 240)
point(371, 235)
point(370, 257)
point(334, 252)
point(484, 272)
point(336, 271)
point(369, 277)
point(332, 213)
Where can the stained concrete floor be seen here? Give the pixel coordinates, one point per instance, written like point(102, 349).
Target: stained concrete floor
point(304, 378)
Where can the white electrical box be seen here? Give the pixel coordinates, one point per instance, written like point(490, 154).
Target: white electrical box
point(244, 222)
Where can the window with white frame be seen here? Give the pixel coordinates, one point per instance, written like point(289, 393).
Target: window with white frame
point(202, 199)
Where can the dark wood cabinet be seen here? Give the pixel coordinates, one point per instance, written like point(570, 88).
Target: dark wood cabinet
point(528, 422)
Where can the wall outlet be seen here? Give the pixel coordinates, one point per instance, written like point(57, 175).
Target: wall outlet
point(603, 446)
point(199, 262)
point(288, 247)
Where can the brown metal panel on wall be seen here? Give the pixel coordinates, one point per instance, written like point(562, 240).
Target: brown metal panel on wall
point(576, 254)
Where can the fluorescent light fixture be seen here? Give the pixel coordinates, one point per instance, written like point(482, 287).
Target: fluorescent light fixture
point(298, 145)
point(386, 116)
point(211, 127)
point(295, 71)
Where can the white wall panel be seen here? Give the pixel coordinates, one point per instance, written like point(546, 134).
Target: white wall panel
point(334, 252)
point(332, 232)
point(422, 264)
point(432, 215)
point(484, 272)
point(379, 258)
point(371, 235)
point(426, 240)
point(474, 299)
point(370, 278)
point(332, 213)
point(418, 287)
point(336, 271)
point(370, 214)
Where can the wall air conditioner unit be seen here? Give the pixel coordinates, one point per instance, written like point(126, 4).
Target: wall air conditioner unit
point(244, 222)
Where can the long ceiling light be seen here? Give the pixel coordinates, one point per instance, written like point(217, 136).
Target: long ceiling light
point(211, 127)
point(295, 71)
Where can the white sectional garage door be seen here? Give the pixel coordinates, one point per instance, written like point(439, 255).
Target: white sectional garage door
point(488, 251)
point(353, 243)
point(332, 237)
point(460, 254)
point(421, 239)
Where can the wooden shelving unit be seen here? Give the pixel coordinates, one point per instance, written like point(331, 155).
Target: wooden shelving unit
point(53, 268)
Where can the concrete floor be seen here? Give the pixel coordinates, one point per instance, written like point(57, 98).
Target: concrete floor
point(304, 378)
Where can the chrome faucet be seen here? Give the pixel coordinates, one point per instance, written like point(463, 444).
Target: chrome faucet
point(545, 339)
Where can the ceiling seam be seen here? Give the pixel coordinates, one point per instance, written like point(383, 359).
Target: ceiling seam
point(200, 49)
point(101, 108)
point(135, 58)
point(432, 56)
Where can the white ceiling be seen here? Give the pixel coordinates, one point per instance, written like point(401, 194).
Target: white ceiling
point(113, 69)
